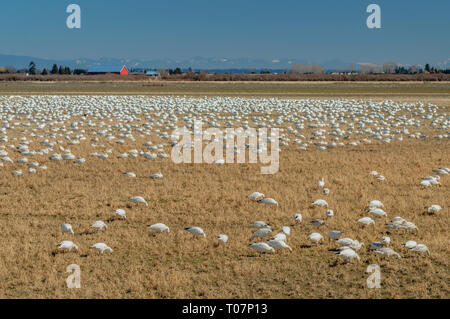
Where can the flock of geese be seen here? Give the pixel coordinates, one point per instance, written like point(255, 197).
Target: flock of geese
point(56, 123)
point(346, 248)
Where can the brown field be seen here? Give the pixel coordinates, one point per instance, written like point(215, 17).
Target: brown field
point(416, 90)
point(204, 76)
point(175, 265)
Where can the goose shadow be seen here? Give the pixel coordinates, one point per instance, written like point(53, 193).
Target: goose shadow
point(87, 232)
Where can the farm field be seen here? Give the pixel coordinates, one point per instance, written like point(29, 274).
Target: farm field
point(235, 88)
point(99, 121)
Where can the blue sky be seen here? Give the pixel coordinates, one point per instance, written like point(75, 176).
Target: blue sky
point(413, 31)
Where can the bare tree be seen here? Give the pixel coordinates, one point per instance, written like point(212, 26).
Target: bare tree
point(303, 69)
point(10, 69)
point(366, 68)
point(162, 71)
point(414, 69)
point(316, 69)
point(298, 68)
point(389, 67)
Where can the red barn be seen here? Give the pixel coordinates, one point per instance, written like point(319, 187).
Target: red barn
point(101, 69)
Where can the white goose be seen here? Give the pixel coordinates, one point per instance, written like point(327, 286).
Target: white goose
point(421, 248)
point(101, 247)
point(259, 224)
point(321, 183)
point(388, 252)
point(334, 234)
point(278, 244)
point(121, 212)
point(67, 244)
point(67, 228)
point(366, 221)
point(261, 233)
point(348, 254)
point(159, 227)
point(298, 218)
point(99, 224)
point(315, 237)
point(196, 231)
point(261, 247)
point(268, 201)
point(320, 202)
point(255, 195)
point(138, 200)
point(222, 238)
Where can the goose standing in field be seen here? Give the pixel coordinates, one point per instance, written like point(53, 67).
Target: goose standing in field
point(388, 252)
point(421, 248)
point(268, 201)
point(280, 236)
point(318, 222)
point(196, 231)
point(255, 195)
point(433, 209)
point(348, 254)
point(366, 221)
point(156, 175)
point(261, 233)
point(286, 230)
point(101, 247)
point(222, 238)
point(320, 202)
point(410, 244)
point(321, 183)
point(386, 240)
point(334, 234)
point(345, 241)
point(130, 174)
point(99, 224)
point(121, 212)
point(326, 191)
point(356, 245)
point(375, 245)
point(278, 244)
point(298, 218)
point(378, 212)
point(329, 213)
point(259, 224)
point(315, 237)
point(375, 204)
point(67, 228)
point(67, 244)
point(261, 247)
point(159, 227)
point(138, 200)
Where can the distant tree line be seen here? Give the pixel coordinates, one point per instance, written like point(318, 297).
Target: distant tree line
point(395, 68)
point(32, 70)
point(312, 69)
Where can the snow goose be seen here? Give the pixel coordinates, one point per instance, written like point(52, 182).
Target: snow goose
point(196, 231)
point(101, 247)
point(159, 227)
point(67, 228)
point(261, 247)
point(67, 244)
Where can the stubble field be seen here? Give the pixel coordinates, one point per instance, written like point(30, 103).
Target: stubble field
point(176, 265)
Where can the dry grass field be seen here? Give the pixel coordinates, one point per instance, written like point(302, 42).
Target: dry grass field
point(175, 265)
point(236, 88)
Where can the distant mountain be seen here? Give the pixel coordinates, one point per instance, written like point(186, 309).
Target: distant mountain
point(201, 63)
point(196, 63)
